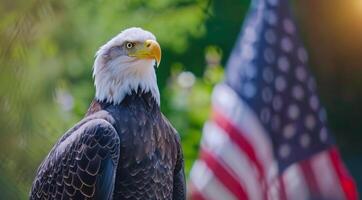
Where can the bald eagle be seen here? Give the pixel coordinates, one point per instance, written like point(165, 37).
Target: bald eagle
point(124, 148)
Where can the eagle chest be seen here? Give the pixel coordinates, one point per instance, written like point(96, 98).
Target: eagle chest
point(148, 153)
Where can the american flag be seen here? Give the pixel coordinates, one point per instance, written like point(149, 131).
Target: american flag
point(268, 137)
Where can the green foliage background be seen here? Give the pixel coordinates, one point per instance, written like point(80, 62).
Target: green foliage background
point(46, 57)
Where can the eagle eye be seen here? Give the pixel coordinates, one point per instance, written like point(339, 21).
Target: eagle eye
point(129, 45)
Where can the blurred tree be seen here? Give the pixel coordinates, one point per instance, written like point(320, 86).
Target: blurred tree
point(46, 62)
point(188, 105)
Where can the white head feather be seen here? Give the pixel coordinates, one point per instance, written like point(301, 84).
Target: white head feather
point(115, 78)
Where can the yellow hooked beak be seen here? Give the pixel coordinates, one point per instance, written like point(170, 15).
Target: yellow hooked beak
point(149, 50)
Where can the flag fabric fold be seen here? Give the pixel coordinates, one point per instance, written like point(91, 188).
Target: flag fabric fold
point(268, 137)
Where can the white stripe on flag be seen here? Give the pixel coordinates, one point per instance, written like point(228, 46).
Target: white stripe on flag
point(275, 190)
point(327, 179)
point(206, 183)
point(229, 103)
point(218, 142)
point(294, 183)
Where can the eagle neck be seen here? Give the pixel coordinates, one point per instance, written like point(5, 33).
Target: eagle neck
point(135, 99)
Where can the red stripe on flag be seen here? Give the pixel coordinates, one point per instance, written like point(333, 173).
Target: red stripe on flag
point(237, 137)
point(282, 193)
point(347, 183)
point(195, 194)
point(227, 179)
point(310, 177)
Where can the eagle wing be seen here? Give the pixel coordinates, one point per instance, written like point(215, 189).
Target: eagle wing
point(179, 183)
point(82, 165)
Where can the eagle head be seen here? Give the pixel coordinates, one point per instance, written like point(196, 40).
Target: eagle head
point(126, 64)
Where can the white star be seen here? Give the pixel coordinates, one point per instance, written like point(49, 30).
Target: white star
point(288, 26)
point(247, 52)
point(268, 74)
point(304, 140)
point(250, 34)
point(286, 44)
point(265, 115)
point(314, 102)
point(269, 55)
point(249, 90)
point(310, 122)
point(293, 111)
point(289, 131)
point(271, 17)
point(283, 63)
point(298, 92)
point(300, 73)
point(275, 122)
point(267, 94)
point(277, 103)
point(270, 36)
point(250, 71)
point(273, 2)
point(323, 135)
point(302, 55)
point(284, 151)
point(280, 83)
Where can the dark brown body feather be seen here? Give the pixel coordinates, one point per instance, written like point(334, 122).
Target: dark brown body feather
point(142, 156)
